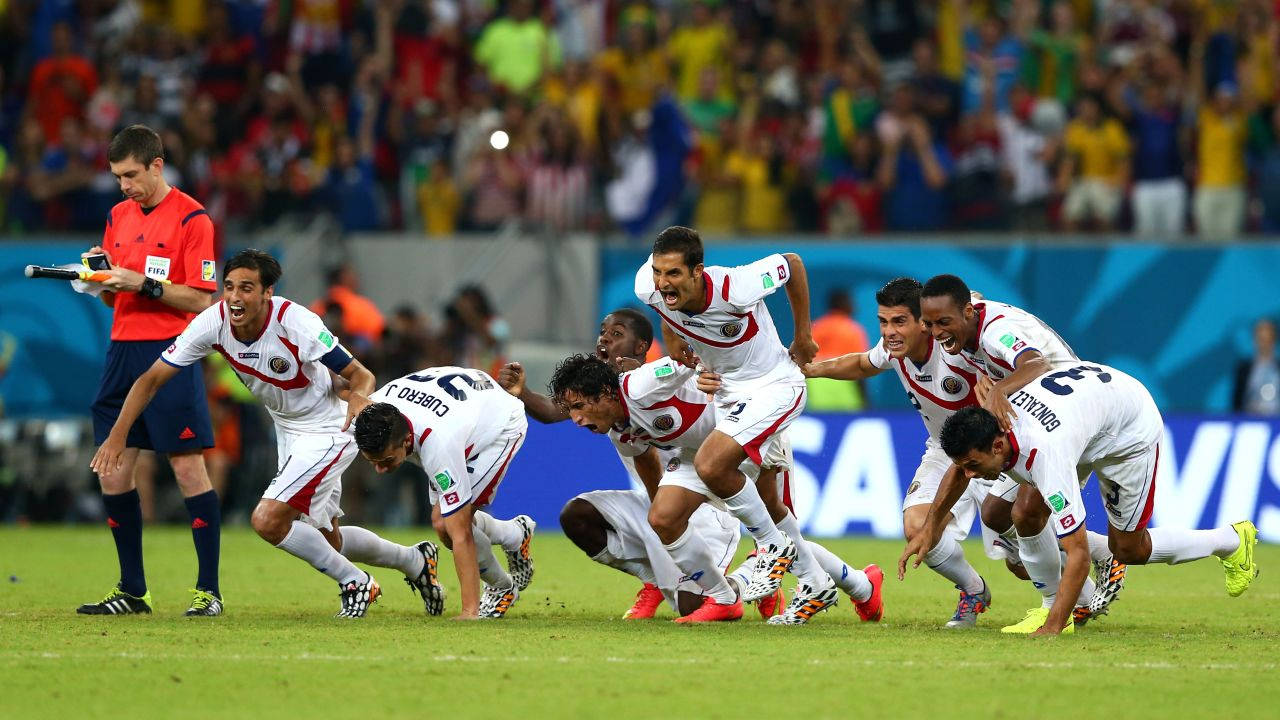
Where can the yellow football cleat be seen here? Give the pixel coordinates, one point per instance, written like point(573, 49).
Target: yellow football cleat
point(1032, 622)
point(1239, 565)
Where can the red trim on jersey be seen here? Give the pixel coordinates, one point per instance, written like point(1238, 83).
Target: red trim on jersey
point(486, 495)
point(301, 500)
point(752, 329)
point(724, 289)
point(622, 397)
point(689, 414)
point(1013, 446)
point(948, 404)
point(786, 491)
point(1151, 496)
point(222, 310)
point(262, 331)
point(423, 437)
point(972, 377)
point(1031, 458)
point(1000, 362)
point(752, 447)
point(285, 306)
point(297, 382)
point(706, 285)
point(467, 452)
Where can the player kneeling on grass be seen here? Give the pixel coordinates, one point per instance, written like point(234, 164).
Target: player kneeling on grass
point(464, 430)
point(1066, 424)
point(284, 354)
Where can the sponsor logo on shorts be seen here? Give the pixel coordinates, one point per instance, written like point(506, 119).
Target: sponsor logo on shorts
point(663, 370)
point(248, 356)
point(451, 498)
point(730, 329)
point(664, 422)
point(1058, 502)
point(766, 280)
point(278, 365)
point(951, 384)
point(691, 578)
point(326, 339)
point(207, 270)
point(444, 480)
point(673, 464)
point(913, 487)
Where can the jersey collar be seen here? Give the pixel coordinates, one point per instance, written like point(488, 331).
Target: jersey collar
point(706, 300)
point(1014, 451)
point(271, 309)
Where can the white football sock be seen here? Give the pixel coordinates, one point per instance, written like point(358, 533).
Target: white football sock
point(948, 560)
point(805, 567)
point(1040, 557)
point(506, 533)
point(491, 572)
point(639, 570)
point(361, 545)
point(741, 575)
point(1175, 545)
point(1099, 546)
point(693, 556)
point(852, 581)
point(750, 510)
point(1086, 591)
point(306, 542)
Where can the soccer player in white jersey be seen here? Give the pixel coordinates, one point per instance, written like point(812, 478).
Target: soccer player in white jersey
point(464, 430)
point(1067, 424)
point(659, 405)
point(284, 354)
point(716, 317)
point(1013, 347)
point(612, 526)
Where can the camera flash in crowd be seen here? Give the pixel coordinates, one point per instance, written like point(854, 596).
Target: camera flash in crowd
point(499, 140)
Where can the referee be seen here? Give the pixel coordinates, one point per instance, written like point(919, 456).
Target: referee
point(159, 242)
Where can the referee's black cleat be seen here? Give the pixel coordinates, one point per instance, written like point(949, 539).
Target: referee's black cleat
point(118, 602)
point(204, 604)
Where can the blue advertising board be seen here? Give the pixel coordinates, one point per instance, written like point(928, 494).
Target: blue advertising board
point(853, 470)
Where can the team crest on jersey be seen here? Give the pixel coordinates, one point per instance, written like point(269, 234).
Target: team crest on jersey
point(914, 486)
point(730, 329)
point(673, 464)
point(278, 365)
point(664, 422)
point(951, 384)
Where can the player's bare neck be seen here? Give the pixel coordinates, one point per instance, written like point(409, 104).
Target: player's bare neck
point(701, 301)
point(920, 354)
point(252, 331)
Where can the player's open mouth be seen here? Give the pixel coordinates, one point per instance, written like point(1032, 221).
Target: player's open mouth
point(602, 352)
point(895, 345)
point(948, 342)
point(237, 311)
point(670, 297)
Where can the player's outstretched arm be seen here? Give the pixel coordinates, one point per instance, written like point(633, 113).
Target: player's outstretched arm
point(107, 459)
point(677, 348)
point(1074, 571)
point(1027, 367)
point(803, 348)
point(360, 385)
point(538, 406)
point(950, 489)
point(458, 525)
point(854, 366)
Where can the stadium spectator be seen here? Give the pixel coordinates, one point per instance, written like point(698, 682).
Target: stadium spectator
point(360, 318)
point(1025, 153)
point(1219, 202)
point(1095, 168)
point(837, 333)
point(1159, 194)
point(475, 332)
point(1256, 386)
point(704, 43)
point(1264, 149)
point(60, 84)
point(914, 171)
point(992, 59)
point(516, 50)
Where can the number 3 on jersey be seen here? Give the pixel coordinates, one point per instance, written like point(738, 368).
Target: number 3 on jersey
point(447, 383)
point(1050, 382)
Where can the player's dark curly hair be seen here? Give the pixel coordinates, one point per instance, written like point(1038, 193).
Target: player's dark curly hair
point(251, 259)
point(903, 291)
point(947, 286)
point(636, 322)
point(378, 426)
point(586, 375)
point(138, 142)
point(683, 240)
point(972, 428)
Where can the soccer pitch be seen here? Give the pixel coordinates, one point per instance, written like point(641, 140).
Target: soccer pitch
point(1174, 645)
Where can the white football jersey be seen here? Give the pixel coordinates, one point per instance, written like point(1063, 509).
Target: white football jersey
point(665, 409)
point(1076, 417)
point(1005, 332)
point(284, 367)
point(735, 335)
point(937, 388)
point(453, 413)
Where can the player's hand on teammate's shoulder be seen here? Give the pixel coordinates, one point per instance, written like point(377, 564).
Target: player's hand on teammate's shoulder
point(803, 350)
point(983, 388)
point(355, 403)
point(626, 364)
point(709, 381)
point(998, 405)
point(511, 378)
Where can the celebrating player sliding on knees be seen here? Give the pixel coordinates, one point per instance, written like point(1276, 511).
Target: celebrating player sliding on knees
point(284, 354)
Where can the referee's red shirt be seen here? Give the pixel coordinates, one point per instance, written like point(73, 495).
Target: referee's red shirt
point(173, 241)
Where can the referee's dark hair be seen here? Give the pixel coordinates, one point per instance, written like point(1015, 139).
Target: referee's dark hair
point(378, 426)
point(637, 322)
point(138, 142)
point(947, 286)
point(252, 259)
point(683, 240)
point(971, 428)
point(586, 375)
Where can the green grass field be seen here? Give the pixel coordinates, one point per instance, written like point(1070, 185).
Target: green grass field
point(1174, 645)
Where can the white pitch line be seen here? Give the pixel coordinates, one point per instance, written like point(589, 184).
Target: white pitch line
point(564, 659)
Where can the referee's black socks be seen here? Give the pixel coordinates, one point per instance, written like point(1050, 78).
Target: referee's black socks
point(206, 530)
point(124, 517)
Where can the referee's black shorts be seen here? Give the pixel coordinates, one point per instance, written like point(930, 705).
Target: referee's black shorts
point(177, 420)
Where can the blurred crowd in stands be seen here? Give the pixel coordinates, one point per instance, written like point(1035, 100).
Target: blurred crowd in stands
point(745, 116)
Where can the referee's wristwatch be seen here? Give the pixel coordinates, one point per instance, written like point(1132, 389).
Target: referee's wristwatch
point(151, 288)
